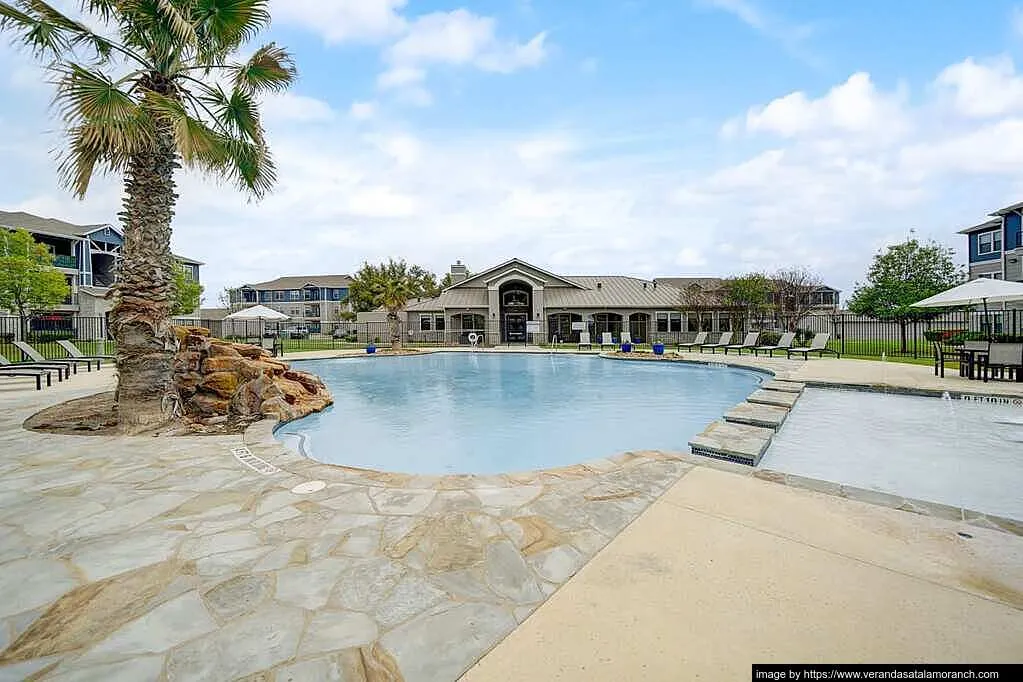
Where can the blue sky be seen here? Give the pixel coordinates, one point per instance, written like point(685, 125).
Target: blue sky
point(643, 137)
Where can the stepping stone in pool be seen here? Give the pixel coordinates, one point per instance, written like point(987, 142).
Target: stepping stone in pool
point(733, 442)
point(785, 386)
point(776, 398)
point(766, 416)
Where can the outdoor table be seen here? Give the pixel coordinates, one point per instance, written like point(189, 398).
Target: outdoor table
point(973, 357)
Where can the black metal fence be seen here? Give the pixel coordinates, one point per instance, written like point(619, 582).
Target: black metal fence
point(849, 334)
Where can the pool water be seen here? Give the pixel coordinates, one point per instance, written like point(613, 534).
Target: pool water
point(960, 453)
point(505, 412)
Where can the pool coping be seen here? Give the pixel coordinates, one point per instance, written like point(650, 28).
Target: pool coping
point(260, 435)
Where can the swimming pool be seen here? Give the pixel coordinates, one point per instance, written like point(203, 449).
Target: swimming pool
point(960, 453)
point(486, 413)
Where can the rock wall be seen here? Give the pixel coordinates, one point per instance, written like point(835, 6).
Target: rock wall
point(218, 378)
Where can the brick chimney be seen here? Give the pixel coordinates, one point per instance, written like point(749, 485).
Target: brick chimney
point(459, 272)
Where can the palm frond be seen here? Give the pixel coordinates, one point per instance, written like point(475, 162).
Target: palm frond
point(180, 26)
point(236, 112)
point(83, 94)
point(226, 24)
point(270, 69)
point(105, 143)
point(252, 167)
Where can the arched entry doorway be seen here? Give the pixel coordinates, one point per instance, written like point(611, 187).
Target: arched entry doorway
point(516, 299)
point(639, 327)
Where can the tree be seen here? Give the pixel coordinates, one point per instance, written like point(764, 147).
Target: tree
point(391, 285)
point(750, 294)
point(28, 281)
point(792, 289)
point(160, 88)
point(904, 274)
point(187, 292)
point(224, 298)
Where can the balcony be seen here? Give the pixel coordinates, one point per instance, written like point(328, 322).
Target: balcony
point(65, 262)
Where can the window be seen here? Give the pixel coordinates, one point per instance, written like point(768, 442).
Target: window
point(990, 275)
point(692, 322)
point(706, 322)
point(312, 311)
point(989, 242)
point(724, 322)
point(438, 323)
point(669, 322)
point(279, 296)
point(295, 294)
point(425, 322)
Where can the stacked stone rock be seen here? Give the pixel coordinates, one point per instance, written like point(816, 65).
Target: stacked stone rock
point(217, 378)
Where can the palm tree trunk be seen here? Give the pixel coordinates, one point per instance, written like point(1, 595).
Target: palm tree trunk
point(395, 331)
point(140, 320)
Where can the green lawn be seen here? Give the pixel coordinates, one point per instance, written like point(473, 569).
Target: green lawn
point(52, 351)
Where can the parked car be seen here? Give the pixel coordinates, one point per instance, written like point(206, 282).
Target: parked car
point(300, 332)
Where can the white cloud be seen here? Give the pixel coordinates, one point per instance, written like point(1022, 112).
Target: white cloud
point(400, 76)
point(855, 106)
point(289, 107)
point(364, 21)
point(362, 111)
point(983, 89)
point(689, 257)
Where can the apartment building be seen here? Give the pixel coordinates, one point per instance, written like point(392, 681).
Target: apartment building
point(309, 300)
point(995, 246)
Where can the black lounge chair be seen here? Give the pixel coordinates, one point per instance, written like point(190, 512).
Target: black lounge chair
point(37, 374)
point(37, 357)
point(749, 343)
point(74, 353)
point(701, 338)
point(61, 368)
point(819, 345)
point(784, 343)
point(726, 338)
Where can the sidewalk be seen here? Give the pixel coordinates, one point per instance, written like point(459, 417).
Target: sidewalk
point(724, 571)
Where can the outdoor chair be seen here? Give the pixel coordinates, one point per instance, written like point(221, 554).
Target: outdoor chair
point(606, 340)
point(784, 343)
point(939, 359)
point(726, 338)
point(701, 338)
point(749, 342)
point(1004, 360)
point(972, 355)
point(61, 368)
point(37, 374)
point(819, 345)
point(272, 344)
point(626, 337)
point(74, 352)
point(584, 340)
point(37, 357)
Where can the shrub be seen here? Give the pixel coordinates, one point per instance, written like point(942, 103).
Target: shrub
point(769, 338)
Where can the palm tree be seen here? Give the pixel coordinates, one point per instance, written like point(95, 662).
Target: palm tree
point(393, 293)
point(158, 88)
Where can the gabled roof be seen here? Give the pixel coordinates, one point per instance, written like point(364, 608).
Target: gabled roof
point(986, 225)
point(300, 281)
point(1008, 209)
point(50, 226)
point(490, 273)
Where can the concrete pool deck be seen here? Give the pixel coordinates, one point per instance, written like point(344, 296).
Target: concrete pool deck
point(166, 558)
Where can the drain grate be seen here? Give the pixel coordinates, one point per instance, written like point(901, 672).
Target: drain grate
point(258, 465)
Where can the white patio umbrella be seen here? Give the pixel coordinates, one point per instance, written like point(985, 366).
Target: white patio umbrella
point(258, 312)
point(975, 292)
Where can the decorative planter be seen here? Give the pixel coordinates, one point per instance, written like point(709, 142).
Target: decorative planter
point(371, 348)
point(626, 347)
point(658, 349)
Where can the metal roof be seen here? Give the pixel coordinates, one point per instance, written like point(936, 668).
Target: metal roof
point(615, 291)
point(986, 225)
point(1008, 209)
point(34, 223)
point(452, 298)
point(299, 281)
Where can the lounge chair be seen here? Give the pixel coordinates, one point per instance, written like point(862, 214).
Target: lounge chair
point(749, 342)
point(37, 374)
point(584, 340)
point(61, 368)
point(606, 340)
point(784, 343)
point(74, 352)
point(726, 338)
point(819, 345)
point(701, 338)
point(626, 337)
point(37, 357)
